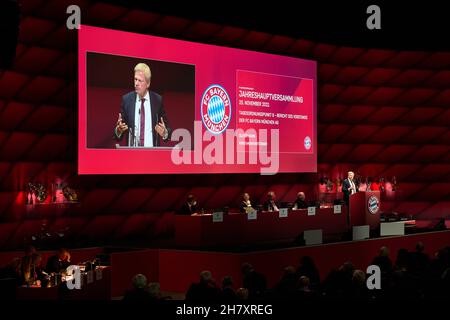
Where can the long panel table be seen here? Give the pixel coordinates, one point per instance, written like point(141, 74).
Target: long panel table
point(236, 229)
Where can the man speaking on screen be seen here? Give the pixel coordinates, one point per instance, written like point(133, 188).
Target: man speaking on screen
point(142, 117)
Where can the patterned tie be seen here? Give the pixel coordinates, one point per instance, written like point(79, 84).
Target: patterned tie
point(142, 127)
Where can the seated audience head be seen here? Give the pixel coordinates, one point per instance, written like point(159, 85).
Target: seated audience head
point(154, 290)
point(420, 246)
point(246, 268)
point(139, 281)
point(227, 282)
point(303, 283)
point(205, 276)
point(242, 294)
point(289, 270)
point(246, 196)
point(384, 251)
point(359, 278)
point(347, 268)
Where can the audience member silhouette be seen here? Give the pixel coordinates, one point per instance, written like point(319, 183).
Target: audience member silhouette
point(419, 260)
point(287, 285)
point(227, 293)
point(204, 290)
point(254, 281)
point(308, 268)
point(140, 291)
point(242, 294)
point(304, 290)
point(383, 261)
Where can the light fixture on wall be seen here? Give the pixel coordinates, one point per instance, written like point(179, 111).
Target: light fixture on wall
point(38, 190)
point(70, 194)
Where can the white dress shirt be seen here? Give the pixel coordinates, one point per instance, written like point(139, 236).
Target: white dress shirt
point(352, 185)
point(148, 138)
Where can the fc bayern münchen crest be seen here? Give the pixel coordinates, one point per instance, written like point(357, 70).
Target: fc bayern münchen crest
point(215, 109)
point(373, 204)
point(307, 142)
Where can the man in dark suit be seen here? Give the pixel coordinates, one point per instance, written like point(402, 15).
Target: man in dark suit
point(300, 202)
point(58, 262)
point(349, 187)
point(142, 114)
point(245, 204)
point(270, 204)
point(189, 207)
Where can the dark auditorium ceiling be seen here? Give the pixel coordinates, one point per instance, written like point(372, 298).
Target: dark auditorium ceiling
point(406, 25)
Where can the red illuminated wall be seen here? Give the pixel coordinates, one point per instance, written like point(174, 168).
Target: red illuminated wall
point(380, 112)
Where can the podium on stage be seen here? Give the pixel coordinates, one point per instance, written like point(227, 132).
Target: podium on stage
point(365, 209)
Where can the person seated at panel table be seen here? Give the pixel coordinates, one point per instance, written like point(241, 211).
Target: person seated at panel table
point(25, 259)
point(300, 202)
point(270, 204)
point(59, 262)
point(245, 204)
point(31, 270)
point(190, 206)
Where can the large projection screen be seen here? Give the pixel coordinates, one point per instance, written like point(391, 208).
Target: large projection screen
point(227, 110)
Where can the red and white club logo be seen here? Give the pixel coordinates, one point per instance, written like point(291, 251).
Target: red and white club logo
point(215, 109)
point(373, 204)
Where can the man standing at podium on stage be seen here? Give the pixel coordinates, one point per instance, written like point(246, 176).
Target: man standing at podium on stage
point(349, 187)
point(142, 113)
